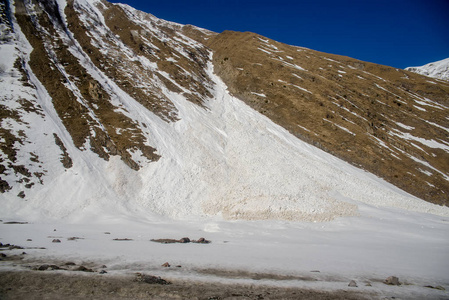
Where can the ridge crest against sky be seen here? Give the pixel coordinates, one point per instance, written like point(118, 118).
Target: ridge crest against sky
point(398, 33)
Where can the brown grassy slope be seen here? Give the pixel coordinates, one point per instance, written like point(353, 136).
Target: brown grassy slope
point(115, 64)
point(347, 107)
point(189, 69)
point(180, 65)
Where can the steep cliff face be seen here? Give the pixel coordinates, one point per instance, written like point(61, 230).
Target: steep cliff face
point(106, 105)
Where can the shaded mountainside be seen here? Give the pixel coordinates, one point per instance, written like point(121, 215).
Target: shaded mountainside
point(85, 79)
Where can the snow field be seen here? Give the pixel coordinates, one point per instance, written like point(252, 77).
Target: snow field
point(368, 249)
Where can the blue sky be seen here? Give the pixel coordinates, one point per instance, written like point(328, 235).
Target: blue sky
point(398, 33)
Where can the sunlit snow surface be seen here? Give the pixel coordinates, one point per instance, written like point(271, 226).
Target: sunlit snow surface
point(438, 69)
point(269, 202)
point(369, 248)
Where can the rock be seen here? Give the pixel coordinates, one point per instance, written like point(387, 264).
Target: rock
point(103, 272)
point(352, 283)
point(165, 241)
point(43, 267)
point(392, 280)
point(166, 265)
point(54, 267)
point(368, 284)
point(70, 263)
point(56, 241)
point(201, 241)
point(14, 247)
point(83, 269)
point(438, 287)
point(15, 222)
point(184, 240)
point(3, 255)
point(151, 279)
point(46, 267)
point(21, 194)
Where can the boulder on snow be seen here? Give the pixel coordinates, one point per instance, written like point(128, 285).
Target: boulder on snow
point(56, 241)
point(151, 279)
point(392, 280)
point(184, 240)
point(352, 283)
point(165, 241)
point(83, 269)
point(201, 241)
point(46, 267)
point(438, 287)
point(166, 265)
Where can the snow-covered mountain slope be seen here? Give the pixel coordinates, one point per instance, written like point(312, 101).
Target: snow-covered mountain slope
point(388, 121)
point(108, 110)
point(438, 69)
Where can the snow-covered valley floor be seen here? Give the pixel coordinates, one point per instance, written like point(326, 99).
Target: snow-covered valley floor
point(322, 256)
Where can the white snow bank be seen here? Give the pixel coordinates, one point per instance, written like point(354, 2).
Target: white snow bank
point(380, 243)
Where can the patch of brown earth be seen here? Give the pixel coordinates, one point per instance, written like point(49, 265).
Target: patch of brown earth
point(65, 157)
point(39, 285)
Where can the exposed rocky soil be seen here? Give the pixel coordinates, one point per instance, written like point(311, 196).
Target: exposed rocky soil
point(49, 285)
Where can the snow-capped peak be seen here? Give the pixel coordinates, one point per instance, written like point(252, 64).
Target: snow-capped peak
point(438, 69)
